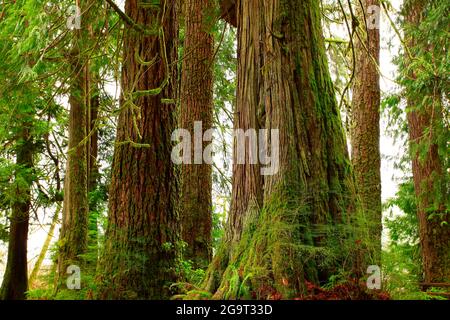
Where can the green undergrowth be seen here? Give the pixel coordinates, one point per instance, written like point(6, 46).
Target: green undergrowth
point(281, 249)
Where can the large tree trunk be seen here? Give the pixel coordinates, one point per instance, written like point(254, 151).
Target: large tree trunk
point(290, 227)
point(365, 116)
point(141, 241)
point(15, 280)
point(197, 105)
point(247, 182)
point(427, 165)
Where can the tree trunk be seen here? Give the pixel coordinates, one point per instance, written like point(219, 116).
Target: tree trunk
point(93, 170)
point(142, 237)
point(37, 266)
point(93, 139)
point(427, 165)
point(365, 117)
point(247, 183)
point(15, 280)
point(290, 227)
point(197, 106)
point(74, 229)
point(228, 11)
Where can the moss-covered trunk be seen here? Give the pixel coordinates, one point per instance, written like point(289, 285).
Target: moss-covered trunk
point(140, 252)
point(73, 237)
point(74, 229)
point(15, 279)
point(247, 192)
point(197, 106)
point(290, 227)
point(425, 117)
point(365, 118)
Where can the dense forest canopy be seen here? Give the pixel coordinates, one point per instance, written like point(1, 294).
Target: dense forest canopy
point(224, 149)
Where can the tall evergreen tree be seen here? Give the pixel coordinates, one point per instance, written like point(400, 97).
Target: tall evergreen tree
point(365, 118)
point(277, 238)
point(15, 282)
point(428, 136)
point(21, 99)
point(74, 229)
point(197, 106)
point(140, 252)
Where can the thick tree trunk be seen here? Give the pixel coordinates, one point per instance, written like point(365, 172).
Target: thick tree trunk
point(140, 253)
point(15, 280)
point(365, 117)
point(434, 231)
point(197, 105)
point(293, 229)
point(247, 182)
point(427, 167)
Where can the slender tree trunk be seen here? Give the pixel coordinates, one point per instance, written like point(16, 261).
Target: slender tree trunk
point(92, 130)
point(15, 280)
point(279, 238)
point(197, 106)
point(74, 229)
point(365, 117)
point(93, 170)
point(47, 242)
point(427, 166)
point(142, 237)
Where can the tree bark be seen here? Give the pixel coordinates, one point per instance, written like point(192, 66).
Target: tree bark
point(282, 227)
point(228, 11)
point(247, 183)
point(197, 105)
point(15, 280)
point(75, 216)
point(427, 165)
point(140, 253)
point(365, 127)
point(93, 169)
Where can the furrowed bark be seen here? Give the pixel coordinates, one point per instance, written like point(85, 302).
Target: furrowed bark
point(74, 229)
point(279, 238)
point(427, 165)
point(246, 179)
point(197, 106)
point(140, 253)
point(365, 126)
